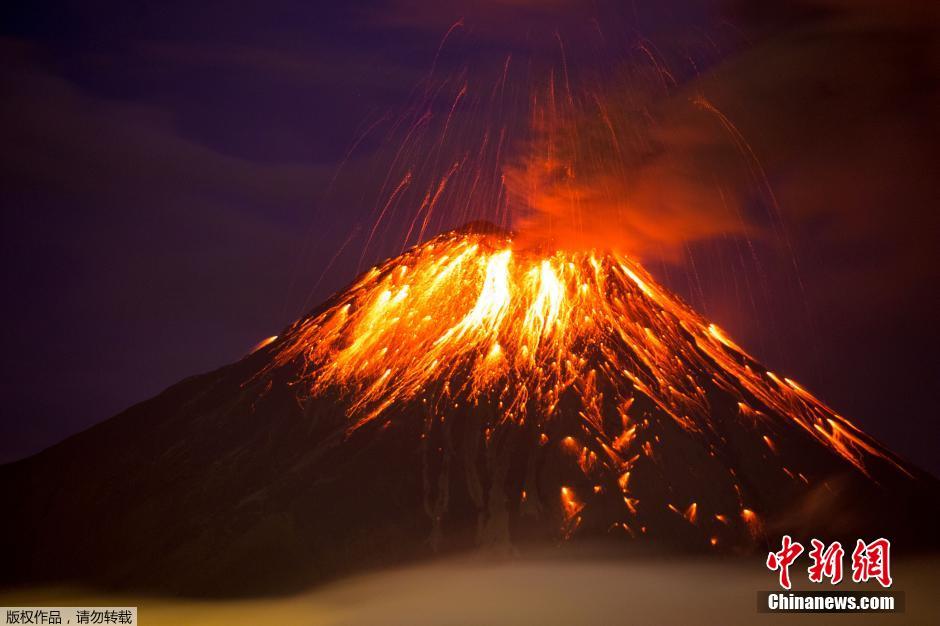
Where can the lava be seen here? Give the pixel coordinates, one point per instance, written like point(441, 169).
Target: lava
point(471, 319)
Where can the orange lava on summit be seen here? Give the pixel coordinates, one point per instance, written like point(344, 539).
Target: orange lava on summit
point(467, 317)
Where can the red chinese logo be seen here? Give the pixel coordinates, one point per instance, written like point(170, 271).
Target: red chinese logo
point(872, 560)
point(826, 563)
point(869, 561)
point(783, 559)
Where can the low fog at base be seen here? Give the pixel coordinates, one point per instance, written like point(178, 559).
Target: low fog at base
point(548, 590)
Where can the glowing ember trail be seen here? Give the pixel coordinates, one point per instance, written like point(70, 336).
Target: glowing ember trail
point(467, 322)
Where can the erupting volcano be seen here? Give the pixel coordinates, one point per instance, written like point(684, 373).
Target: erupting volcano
point(578, 362)
point(468, 393)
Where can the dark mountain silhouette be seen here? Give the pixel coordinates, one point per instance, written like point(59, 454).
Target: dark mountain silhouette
point(624, 418)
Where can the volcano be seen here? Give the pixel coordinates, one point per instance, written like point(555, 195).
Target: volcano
point(467, 394)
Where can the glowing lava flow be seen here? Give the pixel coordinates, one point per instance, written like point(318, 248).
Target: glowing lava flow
point(466, 318)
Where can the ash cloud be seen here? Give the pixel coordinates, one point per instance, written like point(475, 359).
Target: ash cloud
point(644, 174)
point(818, 122)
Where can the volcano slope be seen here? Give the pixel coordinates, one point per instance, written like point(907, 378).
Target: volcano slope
point(465, 395)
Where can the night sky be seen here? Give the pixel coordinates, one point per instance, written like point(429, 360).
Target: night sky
point(181, 180)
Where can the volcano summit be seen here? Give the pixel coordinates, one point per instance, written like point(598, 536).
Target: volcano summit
point(464, 394)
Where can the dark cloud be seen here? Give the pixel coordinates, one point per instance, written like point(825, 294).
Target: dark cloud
point(125, 244)
point(839, 109)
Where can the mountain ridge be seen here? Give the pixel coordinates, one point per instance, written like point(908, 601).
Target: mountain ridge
point(262, 475)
